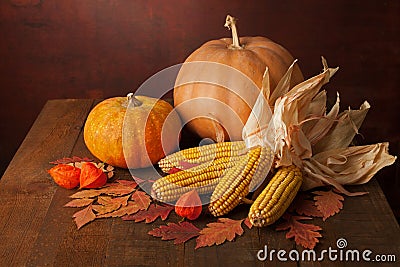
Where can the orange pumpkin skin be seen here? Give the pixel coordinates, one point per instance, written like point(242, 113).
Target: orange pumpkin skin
point(255, 54)
point(125, 136)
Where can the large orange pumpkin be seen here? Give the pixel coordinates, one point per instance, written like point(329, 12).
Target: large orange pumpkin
point(133, 131)
point(204, 91)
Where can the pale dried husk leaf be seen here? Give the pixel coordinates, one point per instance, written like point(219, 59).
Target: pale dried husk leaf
point(343, 132)
point(345, 166)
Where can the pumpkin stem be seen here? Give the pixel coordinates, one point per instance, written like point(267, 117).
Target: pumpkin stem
point(230, 23)
point(136, 102)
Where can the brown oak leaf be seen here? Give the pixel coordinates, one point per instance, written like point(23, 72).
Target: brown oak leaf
point(304, 206)
point(248, 223)
point(79, 203)
point(131, 208)
point(180, 232)
point(86, 193)
point(305, 235)
point(151, 214)
point(118, 189)
point(218, 232)
point(328, 203)
point(109, 204)
point(141, 199)
point(84, 216)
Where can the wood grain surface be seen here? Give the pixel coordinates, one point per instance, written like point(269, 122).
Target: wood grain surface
point(36, 230)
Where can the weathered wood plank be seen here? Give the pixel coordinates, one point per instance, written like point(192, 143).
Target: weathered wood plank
point(26, 190)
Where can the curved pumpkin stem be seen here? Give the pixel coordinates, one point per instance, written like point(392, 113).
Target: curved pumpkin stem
point(136, 102)
point(230, 23)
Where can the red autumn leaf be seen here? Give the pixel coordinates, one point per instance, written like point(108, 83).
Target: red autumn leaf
point(218, 232)
point(180, 232)
point(305, 235)
point(151, 214)
point(328, 203)
point(70, 160)
point(65, 176)
point(141, 199)
point(304, 206)
point(129, 209)
point(118, 189)
point(189, 205)
point(91, 176)
point(130, 184)
point(79, 203)
point(84, 216)
point(110, 204)
point(107, 200)
point(101, 210)
point(248, 223)
point(86, 193)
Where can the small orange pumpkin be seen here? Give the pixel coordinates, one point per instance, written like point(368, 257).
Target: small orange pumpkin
point(209, 88)
point(133, 131)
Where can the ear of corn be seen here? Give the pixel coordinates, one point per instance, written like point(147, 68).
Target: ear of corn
point(202, 154)
point(204, 178)
point(239, 180)
point(273, 201)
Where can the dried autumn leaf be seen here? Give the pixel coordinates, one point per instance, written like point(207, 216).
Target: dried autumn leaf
point(141, 199)
point(106, 200)
point(101, 209)
point(180, 232)
point(110, 204)
point(119, 188)
point(79, 203)
point(218, 232)
point(151, 214)
point(304, 206)
point(305, 235)
point(84, 216)
point(129, 209)
point(248, 223)
point(90, 193)
point(328, 203)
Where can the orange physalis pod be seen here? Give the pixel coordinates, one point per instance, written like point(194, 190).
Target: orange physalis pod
point(91, 176)
point(189, 205)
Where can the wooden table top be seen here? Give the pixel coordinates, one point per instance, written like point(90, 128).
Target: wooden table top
point(35, 229)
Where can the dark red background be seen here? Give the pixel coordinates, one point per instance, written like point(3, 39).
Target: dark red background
point(97, 49)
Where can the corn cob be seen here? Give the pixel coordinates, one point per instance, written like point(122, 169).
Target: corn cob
point(204, 178)
point(202, 154)
point(273, 201)
point(239, 180)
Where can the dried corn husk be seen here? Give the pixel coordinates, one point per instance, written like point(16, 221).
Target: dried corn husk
point(344, 166)
point(302, 132)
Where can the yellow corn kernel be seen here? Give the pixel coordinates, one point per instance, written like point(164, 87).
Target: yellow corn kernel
point(201, 154)
point(273, 201)
point(204, 178)
point(239, 180)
